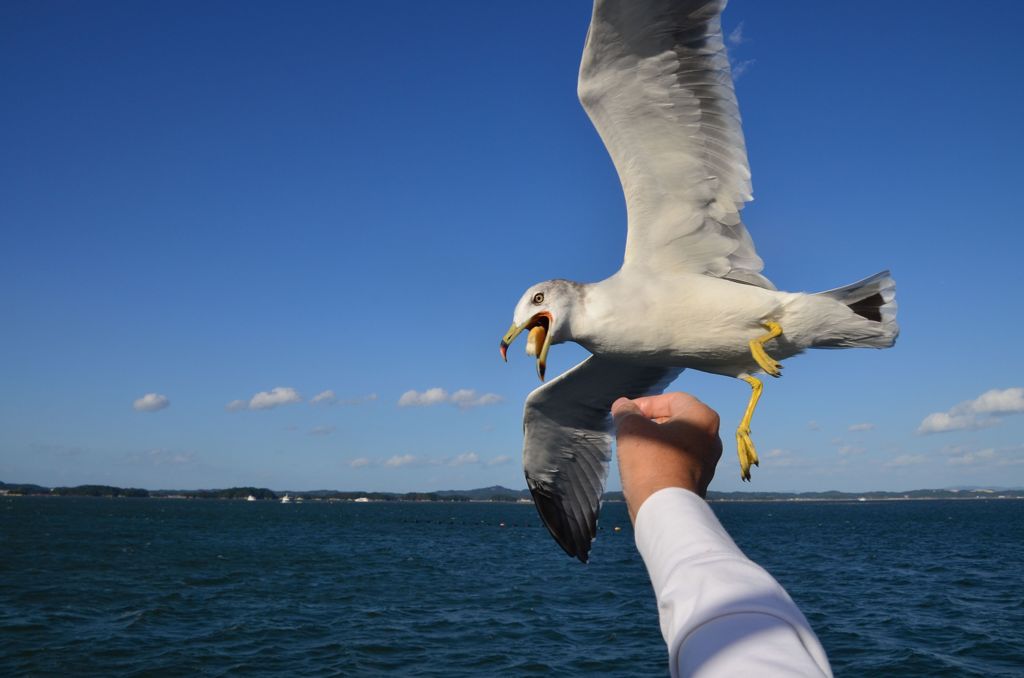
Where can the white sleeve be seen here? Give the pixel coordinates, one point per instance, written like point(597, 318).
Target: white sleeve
point(721, 613)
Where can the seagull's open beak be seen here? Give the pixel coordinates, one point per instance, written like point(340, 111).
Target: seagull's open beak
point(537, 343)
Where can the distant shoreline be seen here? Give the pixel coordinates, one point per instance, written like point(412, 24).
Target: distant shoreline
point(494, 494)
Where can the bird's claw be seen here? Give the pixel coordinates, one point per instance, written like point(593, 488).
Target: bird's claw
point(747, 453)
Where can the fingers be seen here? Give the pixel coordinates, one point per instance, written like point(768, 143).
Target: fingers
point(625, 406)
point(668, 407)
point(628, 418)
point(655, 407)
point(664, 441)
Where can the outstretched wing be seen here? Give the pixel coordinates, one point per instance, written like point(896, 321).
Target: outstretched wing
point(568, 443)
point(655, 81)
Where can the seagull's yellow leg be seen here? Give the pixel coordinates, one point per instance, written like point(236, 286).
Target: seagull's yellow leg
point(744, 445)
point(767, 363)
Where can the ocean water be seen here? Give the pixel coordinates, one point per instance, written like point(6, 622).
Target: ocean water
point(170, 587)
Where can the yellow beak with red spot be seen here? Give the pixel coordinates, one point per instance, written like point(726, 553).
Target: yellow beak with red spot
point(538, 341)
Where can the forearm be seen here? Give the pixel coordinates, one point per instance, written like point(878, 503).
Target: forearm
point(721, 614)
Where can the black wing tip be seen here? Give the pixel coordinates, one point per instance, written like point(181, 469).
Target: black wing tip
point(566, 535)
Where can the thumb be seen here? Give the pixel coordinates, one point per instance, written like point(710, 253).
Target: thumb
point(624, 407)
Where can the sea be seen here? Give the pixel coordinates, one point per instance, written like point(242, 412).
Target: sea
point(165, 587)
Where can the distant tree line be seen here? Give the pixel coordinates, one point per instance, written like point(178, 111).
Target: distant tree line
point(112, 491)
point(229, 493)
point(99, 491)
point(24, 488)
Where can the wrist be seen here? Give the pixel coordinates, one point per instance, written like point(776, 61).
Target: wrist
point(638, 490)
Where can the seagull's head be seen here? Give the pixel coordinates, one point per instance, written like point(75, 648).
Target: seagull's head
point(543, 311)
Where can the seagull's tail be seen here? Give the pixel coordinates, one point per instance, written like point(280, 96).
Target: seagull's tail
point(873, 322)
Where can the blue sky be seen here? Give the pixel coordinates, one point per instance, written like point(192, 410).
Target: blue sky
point(209, 202)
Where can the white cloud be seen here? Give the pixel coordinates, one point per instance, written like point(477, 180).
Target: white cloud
point(151, 402)
point(264, 400)
point(781, 458)
point(399, 460)
point(326, 397)
point(433, 396)
point(905, 460)
point(467, 397)
point(736, 35)
point(738, 66)
point(1005, 401)
point(465, 458)
point(866, 426)
point(940, 422)
point(329, 397)
point(741, 67)
point(849, 450)
point(464, 398)
point(978, 413)
point(281, 395)
point(987, 457)
point(968, 458)
point(321, 431)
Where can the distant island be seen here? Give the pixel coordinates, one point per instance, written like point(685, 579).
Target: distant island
point(495, 493)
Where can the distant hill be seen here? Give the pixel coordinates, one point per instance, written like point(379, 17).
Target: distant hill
point(229, 493)
point(23, 488)
point(99, 491)
point(492, 493)
point(112, 491)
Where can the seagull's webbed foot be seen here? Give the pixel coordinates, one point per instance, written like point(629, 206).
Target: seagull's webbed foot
point(767, 363)
point(744, 445)
point(746, 451)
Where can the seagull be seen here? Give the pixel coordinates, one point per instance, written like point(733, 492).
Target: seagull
point(656, 83)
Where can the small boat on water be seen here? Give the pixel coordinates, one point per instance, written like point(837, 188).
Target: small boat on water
point(250, 498)
point(286, 499)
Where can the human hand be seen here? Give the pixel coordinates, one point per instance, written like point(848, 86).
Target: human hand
point(669, 440)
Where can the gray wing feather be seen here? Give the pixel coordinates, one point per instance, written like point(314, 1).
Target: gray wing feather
point(568, 443)
point(656, 82)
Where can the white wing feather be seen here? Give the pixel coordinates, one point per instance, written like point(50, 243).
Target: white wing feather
point(656, 83)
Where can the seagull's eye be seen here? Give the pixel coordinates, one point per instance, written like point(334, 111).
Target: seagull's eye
point(538, 298)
